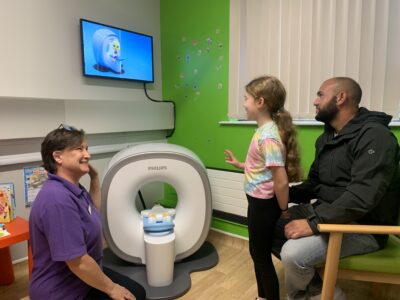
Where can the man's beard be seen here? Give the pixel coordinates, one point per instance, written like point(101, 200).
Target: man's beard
point(328, 113)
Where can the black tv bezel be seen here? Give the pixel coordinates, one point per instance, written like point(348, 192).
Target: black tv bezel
point(112, 77)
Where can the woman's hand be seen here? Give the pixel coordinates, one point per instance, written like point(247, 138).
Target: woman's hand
point(120, 293)
point(95, 190)
point(93, 172)
point(87, 269)
point(231, 159)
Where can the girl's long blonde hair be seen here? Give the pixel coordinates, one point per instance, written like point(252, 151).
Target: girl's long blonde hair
point(272, 90)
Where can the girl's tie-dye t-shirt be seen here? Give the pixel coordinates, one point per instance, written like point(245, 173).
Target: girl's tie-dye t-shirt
point(266, 150)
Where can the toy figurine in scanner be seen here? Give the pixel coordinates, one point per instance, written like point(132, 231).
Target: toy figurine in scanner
point(158, 220)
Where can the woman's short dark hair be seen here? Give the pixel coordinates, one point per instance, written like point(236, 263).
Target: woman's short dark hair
point(64, 137)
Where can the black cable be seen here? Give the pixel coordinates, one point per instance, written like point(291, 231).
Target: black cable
point(163, 101)
point(141, 199)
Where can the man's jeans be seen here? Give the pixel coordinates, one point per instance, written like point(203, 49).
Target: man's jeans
point(299, 256)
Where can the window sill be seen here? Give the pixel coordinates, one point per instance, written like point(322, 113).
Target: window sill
point(395, 123)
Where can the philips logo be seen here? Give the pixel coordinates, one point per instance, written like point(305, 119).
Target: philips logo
point(157, 168)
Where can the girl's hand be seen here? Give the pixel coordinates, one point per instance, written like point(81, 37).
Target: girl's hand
point(285, 214)
point(231, 159)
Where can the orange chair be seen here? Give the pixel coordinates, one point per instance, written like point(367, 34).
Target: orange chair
point(382, 266)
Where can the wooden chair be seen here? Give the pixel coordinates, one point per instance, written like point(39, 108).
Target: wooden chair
point(382, 266)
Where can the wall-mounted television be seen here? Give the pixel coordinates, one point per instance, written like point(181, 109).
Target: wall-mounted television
point(116, 53)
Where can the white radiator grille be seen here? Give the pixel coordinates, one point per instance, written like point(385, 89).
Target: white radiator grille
point(227, 192)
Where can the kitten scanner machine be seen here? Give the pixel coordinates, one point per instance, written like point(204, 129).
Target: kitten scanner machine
point(157, 237)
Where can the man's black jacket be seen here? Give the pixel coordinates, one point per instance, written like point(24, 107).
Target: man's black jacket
point(355, 175)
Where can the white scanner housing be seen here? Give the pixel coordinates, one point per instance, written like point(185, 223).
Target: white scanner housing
point(132, 168)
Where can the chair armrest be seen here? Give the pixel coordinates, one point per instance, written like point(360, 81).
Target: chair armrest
point(363, 229)
point(333, 252)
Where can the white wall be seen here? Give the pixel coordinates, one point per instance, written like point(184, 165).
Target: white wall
point(42, 83)
point(41, 48)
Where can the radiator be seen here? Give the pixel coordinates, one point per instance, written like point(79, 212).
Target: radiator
point(227, 192)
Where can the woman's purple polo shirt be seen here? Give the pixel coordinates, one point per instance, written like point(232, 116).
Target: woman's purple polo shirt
point(63, 225)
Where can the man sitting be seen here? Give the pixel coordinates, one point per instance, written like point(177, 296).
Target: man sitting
point(355, 179)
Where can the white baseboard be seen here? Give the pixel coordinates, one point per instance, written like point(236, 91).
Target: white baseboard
point(230, 234)
point(20, 260)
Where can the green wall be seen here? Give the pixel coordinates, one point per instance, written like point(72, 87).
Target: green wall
point(195, 62)
point(194, 55)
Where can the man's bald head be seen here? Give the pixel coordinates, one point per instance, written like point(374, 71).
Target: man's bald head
point(349, 86)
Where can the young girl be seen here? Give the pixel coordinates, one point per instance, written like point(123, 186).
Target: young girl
point(272, 162)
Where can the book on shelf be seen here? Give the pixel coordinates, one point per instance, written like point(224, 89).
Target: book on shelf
point(7, 202)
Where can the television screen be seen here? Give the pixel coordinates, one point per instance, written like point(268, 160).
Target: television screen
point(116, 53)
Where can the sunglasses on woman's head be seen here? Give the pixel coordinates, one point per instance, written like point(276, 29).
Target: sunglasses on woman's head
point(67, 127)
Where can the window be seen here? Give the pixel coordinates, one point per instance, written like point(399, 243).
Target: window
point(304, 42)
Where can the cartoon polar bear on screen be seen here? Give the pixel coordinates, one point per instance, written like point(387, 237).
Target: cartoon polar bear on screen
point(107, 51)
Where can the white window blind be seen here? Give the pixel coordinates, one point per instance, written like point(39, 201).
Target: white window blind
point(304, 42)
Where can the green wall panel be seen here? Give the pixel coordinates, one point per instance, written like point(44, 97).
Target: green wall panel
point(195, 55)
